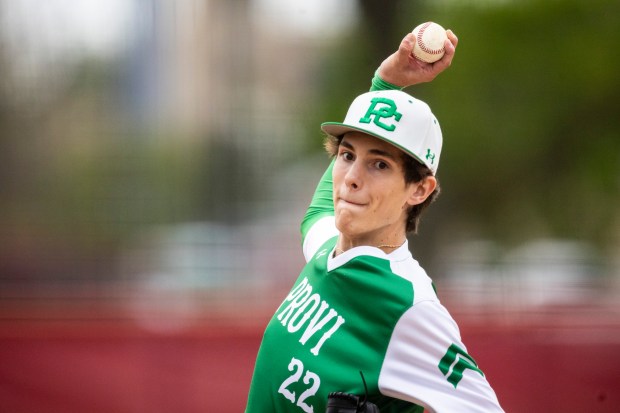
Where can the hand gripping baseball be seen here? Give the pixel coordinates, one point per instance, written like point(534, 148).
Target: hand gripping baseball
point(402, 69)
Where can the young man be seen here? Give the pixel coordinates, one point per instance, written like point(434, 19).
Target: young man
point(362, 303)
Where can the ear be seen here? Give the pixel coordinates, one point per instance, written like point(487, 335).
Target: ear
point(419, 191)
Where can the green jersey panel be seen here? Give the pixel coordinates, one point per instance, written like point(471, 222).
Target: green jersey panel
point(332, 325)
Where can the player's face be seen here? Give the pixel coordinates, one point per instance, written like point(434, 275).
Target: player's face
point(371, 198)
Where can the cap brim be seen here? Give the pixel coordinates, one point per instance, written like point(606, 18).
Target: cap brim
point(339, 129)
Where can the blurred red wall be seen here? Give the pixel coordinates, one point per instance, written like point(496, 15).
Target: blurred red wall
point(558, 361)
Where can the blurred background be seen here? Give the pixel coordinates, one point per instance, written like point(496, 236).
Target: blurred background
point(156, 158)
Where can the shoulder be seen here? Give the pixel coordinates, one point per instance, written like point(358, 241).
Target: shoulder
point(426, 349)
point(405, 266)
point(319, 233)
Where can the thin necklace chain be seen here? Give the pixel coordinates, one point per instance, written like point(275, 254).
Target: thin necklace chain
point(389, 246)
point(340, 251)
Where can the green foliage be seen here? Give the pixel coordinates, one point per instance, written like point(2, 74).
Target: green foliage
point(530, 120)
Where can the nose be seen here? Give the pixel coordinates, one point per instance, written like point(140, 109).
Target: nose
point(353, 177)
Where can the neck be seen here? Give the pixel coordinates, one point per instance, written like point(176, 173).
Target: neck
point(387, 246)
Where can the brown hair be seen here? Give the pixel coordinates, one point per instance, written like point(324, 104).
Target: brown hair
point(414, 171)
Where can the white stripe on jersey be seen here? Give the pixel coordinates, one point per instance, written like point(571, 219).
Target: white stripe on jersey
point(319, 233)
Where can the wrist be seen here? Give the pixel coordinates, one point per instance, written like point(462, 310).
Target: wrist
point(379, 84)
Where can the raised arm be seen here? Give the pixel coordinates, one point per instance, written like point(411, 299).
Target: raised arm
point(401, 69)
point(397, 71)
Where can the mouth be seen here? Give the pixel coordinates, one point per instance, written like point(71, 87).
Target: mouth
point(349, 202)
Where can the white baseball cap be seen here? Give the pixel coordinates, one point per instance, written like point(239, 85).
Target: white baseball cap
point(395, 117)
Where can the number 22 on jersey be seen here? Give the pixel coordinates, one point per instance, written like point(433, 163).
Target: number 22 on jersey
point(309, 378)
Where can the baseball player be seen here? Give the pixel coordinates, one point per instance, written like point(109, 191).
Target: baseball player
point(363, 316)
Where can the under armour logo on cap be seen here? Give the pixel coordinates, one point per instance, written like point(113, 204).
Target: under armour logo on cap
point(430, 156)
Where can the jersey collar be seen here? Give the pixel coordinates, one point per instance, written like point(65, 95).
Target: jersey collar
point(398, 254)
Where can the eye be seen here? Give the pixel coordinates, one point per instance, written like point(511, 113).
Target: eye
point(347, 156)
point(381, 165)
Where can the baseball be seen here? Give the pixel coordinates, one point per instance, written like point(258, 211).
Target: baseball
point(430, 38)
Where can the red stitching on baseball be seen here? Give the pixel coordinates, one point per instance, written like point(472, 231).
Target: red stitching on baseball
point(422, 45)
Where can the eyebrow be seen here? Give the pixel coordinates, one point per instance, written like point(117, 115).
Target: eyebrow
point(372, 151)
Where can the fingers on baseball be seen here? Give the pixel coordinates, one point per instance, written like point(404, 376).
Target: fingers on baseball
point(406, 45)
point(453, 41)
point(443, 63)
point(450, 48)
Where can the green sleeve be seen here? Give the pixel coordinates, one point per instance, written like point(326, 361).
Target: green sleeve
point(380, 84)
point(322, 203)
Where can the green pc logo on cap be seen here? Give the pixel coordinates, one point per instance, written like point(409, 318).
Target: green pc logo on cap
point(387, 110)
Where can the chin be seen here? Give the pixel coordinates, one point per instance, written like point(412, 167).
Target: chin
point(350, 230)
point(346, 226)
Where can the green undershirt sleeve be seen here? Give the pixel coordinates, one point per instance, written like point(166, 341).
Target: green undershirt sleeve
point(322, 203)
point(379, 84)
